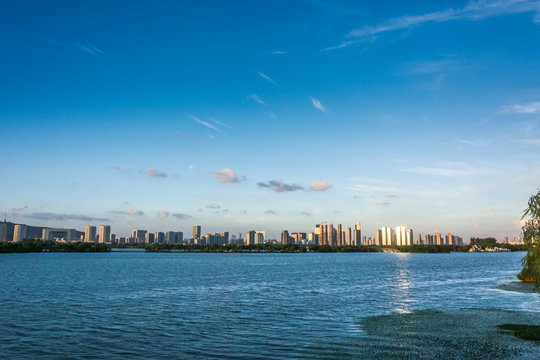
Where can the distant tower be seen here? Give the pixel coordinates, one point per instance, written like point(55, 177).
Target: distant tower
point(90, 234)
point(284, 237)
point(357, 234)
point(104, 233)
point(331, 235)
point(339, 236)
point(3, 230)
point(19, 232)
point(196, 231)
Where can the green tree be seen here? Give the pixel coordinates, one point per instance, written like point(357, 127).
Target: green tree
point(531, 238)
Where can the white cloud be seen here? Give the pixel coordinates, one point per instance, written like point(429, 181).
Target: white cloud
point(134, 212)
point(163, 214)
point(212, 206)
point(317, 104)
point(225, 176)
point(463, 170)
point(320, 186)
point(530, 108)
point(266, 77)
point(155, 173)
point(19, 208)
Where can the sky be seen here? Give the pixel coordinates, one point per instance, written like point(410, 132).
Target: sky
point(270, 115)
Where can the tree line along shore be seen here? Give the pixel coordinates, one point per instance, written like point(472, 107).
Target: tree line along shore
point(31, 245)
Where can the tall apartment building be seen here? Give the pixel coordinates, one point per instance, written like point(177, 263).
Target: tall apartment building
point(378, 237)
point(350, 240)
point(3, 231)
point(90, 234)
point(251, 237)
point(437, 239)
point(357, 234)
point(19, 232)
point(196, 231)
point(225, 237)
point(139, 236)
point(401, 235)
point(331, 235)
point(285, 237)
point(388, 236)
point(339, 239)
point(104, 233)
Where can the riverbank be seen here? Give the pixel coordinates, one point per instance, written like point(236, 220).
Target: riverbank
point(268, 248)
point(27, 246)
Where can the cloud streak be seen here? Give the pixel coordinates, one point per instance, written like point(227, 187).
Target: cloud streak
point(180, 216)
point(48, 216)
point(257, 99)
point(474, 10)
point(317, 105)
point(20, 208)
point(212, 206)
point(278, 185)
point(267, 78)
point(530, 108)
point(163, 214)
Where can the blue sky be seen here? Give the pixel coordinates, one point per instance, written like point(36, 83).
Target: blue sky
point(270, 115)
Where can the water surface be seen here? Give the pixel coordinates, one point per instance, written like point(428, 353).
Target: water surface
point(153, 305)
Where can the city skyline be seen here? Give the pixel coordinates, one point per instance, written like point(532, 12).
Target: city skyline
point(220, 114)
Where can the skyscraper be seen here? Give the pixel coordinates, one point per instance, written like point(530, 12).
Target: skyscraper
point(3, 231)
point(331, 235)
point(19, 232)
point(90, 234)
point(196, 231)
point(139, 236)
point(149, 238)
point(284, 237)
point(388, 236)
point(378, 237)
point(349, 236)
point(357, 234)
point(170, 237)
point(437, 240)
point(339, 236)
point(104, 233)
point(401, 235)
point(251, 237)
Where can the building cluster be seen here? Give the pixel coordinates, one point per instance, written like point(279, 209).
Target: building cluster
point(323, 234)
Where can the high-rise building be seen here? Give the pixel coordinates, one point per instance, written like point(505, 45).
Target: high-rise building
point(3, 231)
point(178, 237)
point(104, 233)
point(357, 234)
point(349, 236)
point(170, 237)
point(19, 232)
point(378, 237)
point(159, 237)
point(401, 235)
point(331, 235)
point(139, 236)
point(339, 239)
point(388, 236)
point(410, 239)
point(225, 237)
point(196, 231)
point(437, 240)
point(285, 237)
point(251, 237)
point(149, 238)
point(90, 234)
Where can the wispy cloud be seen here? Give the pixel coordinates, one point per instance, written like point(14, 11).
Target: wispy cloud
point(204, 123)
point(278, 52)
point(475, 142)
point(270, 212)
point(155, 173)
point(20, 208)
point(461, 170)
point(180, 216)
point(132, 212)
point(474, 10)
point(317, 105)
point(530, 108)
point(529, 141)
point(120, 170)
point(278, 185)
point(266, 77)
point(320, 186)
point(225, 176)
point(257, 99)
point(83, 47)
point(305, 213)
point(55, 216)
point(163, 214)
point(212, 206)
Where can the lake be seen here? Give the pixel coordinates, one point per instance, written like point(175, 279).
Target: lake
point(123, 305)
